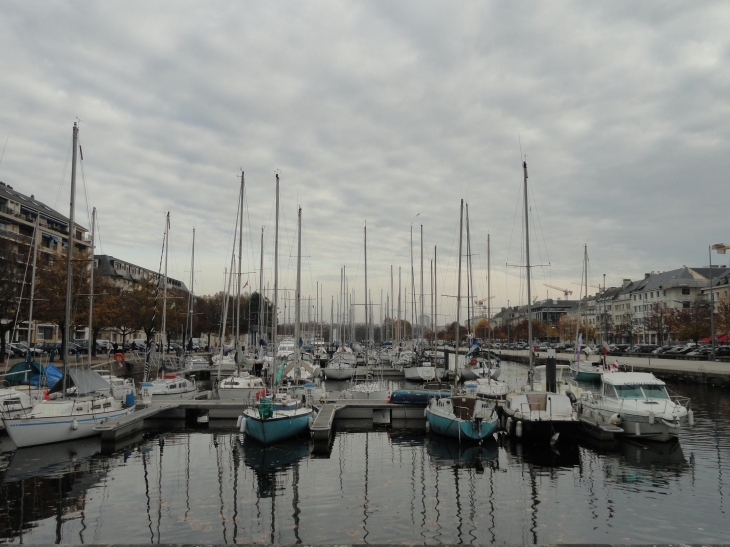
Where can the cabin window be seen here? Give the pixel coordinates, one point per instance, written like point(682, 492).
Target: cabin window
point(630, 392)
point(609, 391)
point(172, 386)
point(654, 391)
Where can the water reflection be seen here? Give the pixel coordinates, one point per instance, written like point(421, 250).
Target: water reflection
point(378, 486)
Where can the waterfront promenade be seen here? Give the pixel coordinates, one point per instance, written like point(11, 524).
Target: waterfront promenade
point(715, 372)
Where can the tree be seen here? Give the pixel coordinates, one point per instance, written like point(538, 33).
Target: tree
point(481, 330)
point(722, 316)
point(625, 328)
point(657, 320)
point(691, 323)
point(10, 283)
point(567, 327)
point(50, 295)
point(108, 309)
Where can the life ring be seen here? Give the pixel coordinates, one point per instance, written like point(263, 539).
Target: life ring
point(119, 359)
point(472, 362)
point(260, 393)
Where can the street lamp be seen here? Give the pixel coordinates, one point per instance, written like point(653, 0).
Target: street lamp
point(720, 248)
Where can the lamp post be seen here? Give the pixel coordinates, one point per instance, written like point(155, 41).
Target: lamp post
point(720, 248)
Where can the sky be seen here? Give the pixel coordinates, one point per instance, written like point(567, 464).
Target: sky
point(385, 113)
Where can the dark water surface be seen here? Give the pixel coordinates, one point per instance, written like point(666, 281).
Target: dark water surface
point(375, 487)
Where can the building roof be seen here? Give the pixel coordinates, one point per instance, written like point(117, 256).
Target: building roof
point(105, 267)
point(8, 192)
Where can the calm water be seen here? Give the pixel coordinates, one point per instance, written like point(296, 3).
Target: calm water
point(374, 487)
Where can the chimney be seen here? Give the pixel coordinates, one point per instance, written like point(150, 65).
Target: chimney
point(32, 196)
point(646, 275)
point(626, 283)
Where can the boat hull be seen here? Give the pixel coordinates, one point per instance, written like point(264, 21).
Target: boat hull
point(339, 373)
point(283, 425)
point(420, 374)
point(45, 430)
point(460, 429)
point(419, 397)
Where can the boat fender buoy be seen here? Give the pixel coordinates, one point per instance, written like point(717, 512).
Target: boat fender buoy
point(637, 429)
point(691, 417)
point(238, 423)
point(311, 421)
point(74, 425)
point(651, 418)
point(242, 427)
point(387, 399)
point(616, 419)
point(518, 430)
point(46, 397)
point(473, 361)
point(509, 426)
point(425, 412)
point(428, 427)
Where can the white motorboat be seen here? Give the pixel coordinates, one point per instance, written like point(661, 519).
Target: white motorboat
point(488, 388)
point(422, 372)
point(638, 403)
point(241, 387)
point(169, 387)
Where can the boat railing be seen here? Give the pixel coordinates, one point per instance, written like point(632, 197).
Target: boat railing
point(680, 401)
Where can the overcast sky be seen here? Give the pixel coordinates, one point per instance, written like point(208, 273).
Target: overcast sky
point(385, 112)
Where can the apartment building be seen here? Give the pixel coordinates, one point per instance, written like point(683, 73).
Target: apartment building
point(23, 220)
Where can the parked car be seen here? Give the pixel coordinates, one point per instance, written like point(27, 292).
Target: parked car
point(661, 350)
point(722, 351)
point(700, 352)
point(103, 345)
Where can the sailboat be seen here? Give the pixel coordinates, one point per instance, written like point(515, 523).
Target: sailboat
point(535, 413)
point(367, 389)
point(240, 386)
point(69, 413)
point(265, 422)
point(587, 371)
point(462, 416)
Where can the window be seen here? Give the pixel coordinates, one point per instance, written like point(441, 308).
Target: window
point(609, 390)
point(630, 392)
point(685, 290)
point(654, 391)
point(665, 293)
point(685, 305)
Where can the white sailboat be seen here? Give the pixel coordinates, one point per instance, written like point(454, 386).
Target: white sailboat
point(167, 386)
point(69, 414)
point(587, 371)
point(535, 413)
point(370, 389)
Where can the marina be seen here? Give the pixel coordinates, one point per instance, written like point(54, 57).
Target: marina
point(174, 482)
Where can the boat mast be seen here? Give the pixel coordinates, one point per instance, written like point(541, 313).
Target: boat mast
point(276, 277)
point(91, 285)
point(367, 324)
point(31, 330)
point(458, 300)
point(191, 292)
point(420, 317)
point(489, 301)
point(392, 306)
point(298, 294)
point(469, 293)
point(435, 292)
point(239, 355)
point(164, 290)
point(529, 291)
point(259, 330)
point(69, 260)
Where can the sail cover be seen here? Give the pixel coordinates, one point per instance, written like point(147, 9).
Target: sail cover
point(85, 381)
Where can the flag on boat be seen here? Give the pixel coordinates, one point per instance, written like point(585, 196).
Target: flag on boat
point(615, 365)
point(605, 348)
